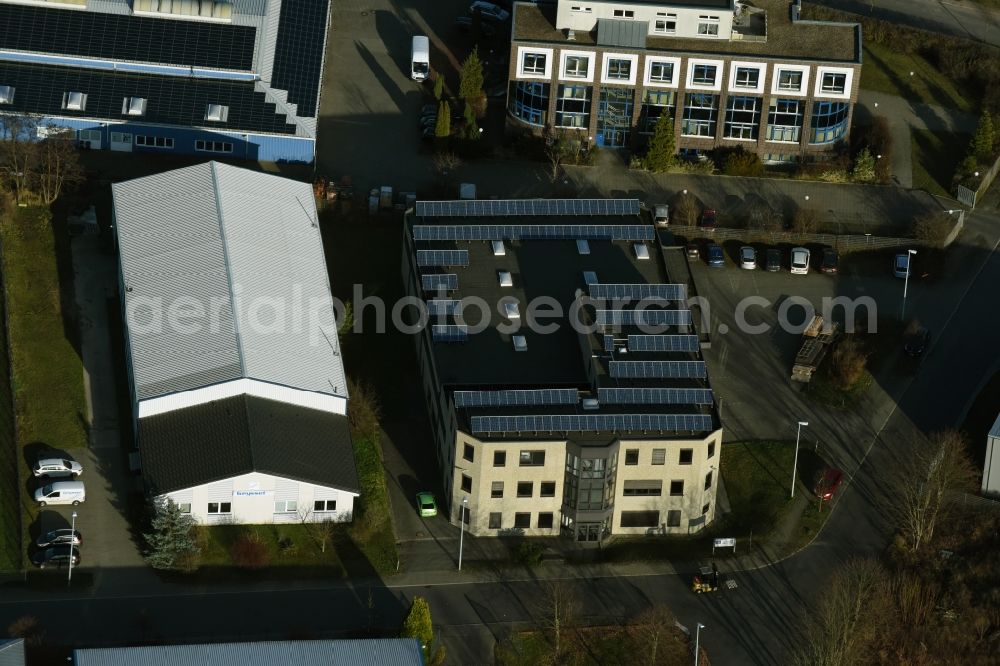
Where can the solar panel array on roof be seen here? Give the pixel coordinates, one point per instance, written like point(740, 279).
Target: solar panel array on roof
point(482, 232)
point(517, 397)
point(536, 207)
point(592, 422)
point(435, 282)
point(652, 292)
point(643, 317)
point(298, 52)
point(663, 343)
point(442, 257)
point(442, 307)
point(657, 369)
point(609, 343)
point(654, 396)
point(450, 333)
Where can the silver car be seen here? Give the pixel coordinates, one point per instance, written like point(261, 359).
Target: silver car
point(57, 467)
point(61, 537)
point(748, 258)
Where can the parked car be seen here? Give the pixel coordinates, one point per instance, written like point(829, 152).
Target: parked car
point(57, 556)
point(661, 214)
point(772, 261)
point(489, 11)
point(61, 537)
point(464, 24)
point(61, 492)
point(429, 110)
point(901, 264)
point(708, 219)
point(916, 340)
point(429, 121)
point(428, 134)
point(748, 258)
point(830, 261)
point(57, 467)
point(693, 251)
point(716, 258)
point(426, 506)
point(800, 261)
point(827, 483)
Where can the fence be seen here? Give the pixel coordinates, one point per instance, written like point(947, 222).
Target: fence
point(968, 196)
point(843, 243)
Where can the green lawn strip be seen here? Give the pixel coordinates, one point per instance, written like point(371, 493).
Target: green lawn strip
point(10, 510)
point(47, 370)
point(936, 155)
point(889, 72)
point(287, 545)
point(372, 531)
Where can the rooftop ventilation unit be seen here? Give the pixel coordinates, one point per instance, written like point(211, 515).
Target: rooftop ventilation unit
point(582, 246)
point(571, 35)
point(506, 279)
point(641, 251)
point(498, 249)
point(511, 311)
point(520, 343)
point(590, 404)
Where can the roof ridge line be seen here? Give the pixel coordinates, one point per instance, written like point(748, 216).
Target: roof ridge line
point(213, 165)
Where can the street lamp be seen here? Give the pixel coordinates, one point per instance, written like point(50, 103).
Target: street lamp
point(906, 282)
point(795, 464)
point(697, 645)
point(69, 575)
point(461, 527)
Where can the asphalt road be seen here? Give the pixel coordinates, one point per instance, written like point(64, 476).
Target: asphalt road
point(963, 19)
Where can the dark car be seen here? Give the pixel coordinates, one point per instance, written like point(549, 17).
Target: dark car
point(916, 341)
point(827, 483)
point(772, 261)
point(693, 251)
point(57, 556)
point(464, 24)
point(708, 219)
point(830, 261)
point(59, 538)
point(715, 257)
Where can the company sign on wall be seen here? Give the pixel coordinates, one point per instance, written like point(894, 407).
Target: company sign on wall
point(252, 490)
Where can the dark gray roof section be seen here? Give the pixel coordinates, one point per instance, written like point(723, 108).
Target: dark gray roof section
point(356, 652)
point(624, 34)
point(298, 53)
point(12, 652)
point(246, 434)
point(707, 4)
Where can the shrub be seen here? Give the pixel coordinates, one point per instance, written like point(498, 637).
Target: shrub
point(661, 153)
point(686, 210)
point(442, 129)
point(438, 86)
point(983, 141)
point(848, 363)
point(864, 167)
point(529, 553)
point(805, 221)
point(171, 542)
point(933, 228)
point(250, 552)
point(742, 163)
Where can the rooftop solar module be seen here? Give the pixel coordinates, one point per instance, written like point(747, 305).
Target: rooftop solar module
point(438, 307)
point(636, 292)
point(442, 257)
point(643, 317)
point(654, 396)
point(657, 369)
point(298, 52)
point(126, 37)
point(449, 333)
point(592, 422)
point(534, 207)
point(517, 397)
point(663, 343)
point(482, 232)
point(435, 282)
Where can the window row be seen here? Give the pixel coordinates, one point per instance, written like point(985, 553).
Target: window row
point(166, 142)
point(280, 506)
point(654, 487)
point(652, 518)
point(525, 458)
point(544, 521)
point(659, 456)
point(524, 489)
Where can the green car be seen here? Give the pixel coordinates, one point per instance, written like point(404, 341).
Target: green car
point(426, 506)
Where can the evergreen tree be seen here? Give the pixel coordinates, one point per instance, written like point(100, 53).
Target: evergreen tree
point(171, 544)
point(864, 166)
point(470, 86)
point(471, 126)
point(438, 86)
point(985, 138)
point(660, 154)
point(442, 129)
point(418, 625)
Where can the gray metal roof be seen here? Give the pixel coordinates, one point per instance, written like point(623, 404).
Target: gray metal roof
point(242, 250)
point(12, 652)
point(995, 430)
point(626, 34)
point(359, 652)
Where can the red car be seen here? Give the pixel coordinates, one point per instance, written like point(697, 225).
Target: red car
point(708, 219)
point(827, 483)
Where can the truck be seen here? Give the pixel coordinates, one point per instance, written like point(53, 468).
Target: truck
point(816, 342)
point(420, 58)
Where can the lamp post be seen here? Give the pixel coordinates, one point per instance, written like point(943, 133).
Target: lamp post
point(461, 527)
point(697, 643)
point(795, 464)
point(69, 575)
point(906, 282)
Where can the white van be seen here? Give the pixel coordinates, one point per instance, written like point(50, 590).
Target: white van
point(420, 58)
point(61, 492)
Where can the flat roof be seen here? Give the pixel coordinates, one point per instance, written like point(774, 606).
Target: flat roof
point(801, 40)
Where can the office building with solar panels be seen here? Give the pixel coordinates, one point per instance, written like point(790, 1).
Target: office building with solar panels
point(729, 74)
point(235, 78)
point(581, 405)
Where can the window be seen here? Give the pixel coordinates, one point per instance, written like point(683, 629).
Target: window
point(532, 458)
point(522, 520)
point(213, 146)
point(573, 106)
point(660, 71)
point(676, 488)
point(154, 141)
point(286, 506)
point(829, 121)
point(495, 520)
point(499, 458)
point(640, 519)
point(586, 10)
point(576, 66)
point(746, 77)
point(673, 518)
point(464, 513)
point(708, 480)
point(655, 103)
point(789, 80)
point(74, 101)
point(834, 83)
point(545, 521)
point(466, 483)
point(525, 488)
point(547, 489)
point(624, 13)
point(6, 94)
point(784, 120)
point(619, 69)
point(704, 75)
point(533, 63)
point(708, 26)
point(325, 505)
point(704, 509)
point(496, 490)
point(530, 102)
point(184, 507)
point(614, 115)
point(711, 450)
point(468, 452)
point(133, 106)
point(220, 507)
point(659, 456)
point(742, 118)
point(651, 488)
point(686, 456)
point(665, 24)
point(631, 456)
point(217, 113)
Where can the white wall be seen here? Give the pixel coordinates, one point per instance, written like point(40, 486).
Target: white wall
point(687, 18)
point(991, 466)
point(167, 403)
point(252, 498)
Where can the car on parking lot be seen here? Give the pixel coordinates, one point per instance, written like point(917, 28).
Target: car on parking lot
point(61, 492)
point(748, 258)
point(716, 258)
point(57, 467)
point(426, 506)
point(900, 265)
point(830, 261)
point(772, 260)
point(464, 24)
point(57, 556)
point(489, 11)
point(60, 537)
point(800, 261)
point(693, 251)
point(428, 134)
point(708, 219)
point(827, 483)
point(915, 341)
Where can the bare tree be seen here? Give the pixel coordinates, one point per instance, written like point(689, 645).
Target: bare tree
point(686, 210)
point(18, 152)
point(559, 610)
point(923, 482)
point(761, 216)
point(848, 362)
point(320, 531)
point(933, 228)
point(805, 221)
point(446, 161)
point(651, 628)
point(57, 165)
point(559, 149)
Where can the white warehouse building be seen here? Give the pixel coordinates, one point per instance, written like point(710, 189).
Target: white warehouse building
point(239, 396)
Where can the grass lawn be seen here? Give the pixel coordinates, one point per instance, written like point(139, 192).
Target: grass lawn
point(935, 157)
point(372, 529)
point(285, 545)
point(47, 370)
point(10, 509)
point(613, 644)
point(889, 72)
